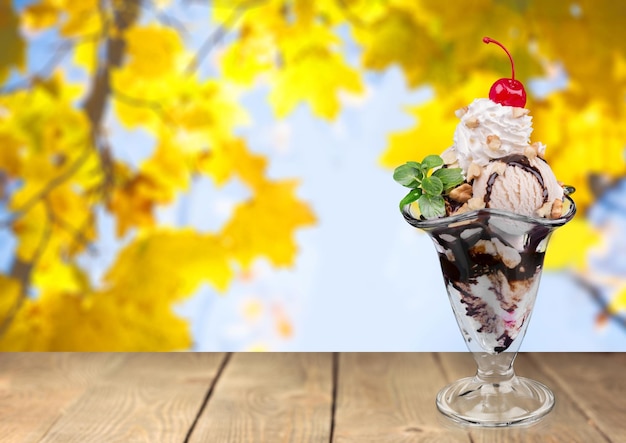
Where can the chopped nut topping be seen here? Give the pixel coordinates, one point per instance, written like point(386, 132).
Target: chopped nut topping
point(484, 247)
point(463, 209)
point(461, 112)
point(461, 193)
point(531, 152)
point(510, 257)
point(472, 123)
point(557, 208)
point(498, 168)
point(475, 203)
point(493, 142)
point(449, 156)
point(473, 171)
point(544, 210)
point(537, 146)
point(519, 112)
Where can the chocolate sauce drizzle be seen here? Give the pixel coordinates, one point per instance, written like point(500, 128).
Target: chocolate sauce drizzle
point(519, 161)
point(469, 264)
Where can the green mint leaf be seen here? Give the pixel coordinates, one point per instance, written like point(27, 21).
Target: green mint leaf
point(431, 161)
point(432, 185)
point(412, 196)
point(427, 180)
point(407, 175)
point(450, 177)
point(416, 165)
point(432, 207)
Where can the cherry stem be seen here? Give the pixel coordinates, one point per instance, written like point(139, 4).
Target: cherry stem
point(488, 40)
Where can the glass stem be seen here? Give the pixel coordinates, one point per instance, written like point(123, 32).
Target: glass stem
point(495, 368)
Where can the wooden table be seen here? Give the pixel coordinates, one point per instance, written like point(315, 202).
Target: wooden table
point(288, 397)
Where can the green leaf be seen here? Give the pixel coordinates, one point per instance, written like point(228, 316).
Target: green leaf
point(427, 189)
point(432, 185)
point(407, 175)
point(416, 165)
point(450, 177)
point(431, 161)
point(432, 207)
point(412, 196)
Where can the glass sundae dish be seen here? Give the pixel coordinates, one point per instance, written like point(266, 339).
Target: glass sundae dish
point(490, 203)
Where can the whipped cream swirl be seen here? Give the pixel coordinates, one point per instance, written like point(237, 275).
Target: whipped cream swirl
point(490, 130)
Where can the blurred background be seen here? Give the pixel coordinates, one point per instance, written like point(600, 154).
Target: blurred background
point(216, 176)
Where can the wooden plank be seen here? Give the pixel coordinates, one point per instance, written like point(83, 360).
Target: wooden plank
point(564, 423)
point(596, 382)
point(283, 397)
point(390, 397)
point(151, 397)
point(36, 389)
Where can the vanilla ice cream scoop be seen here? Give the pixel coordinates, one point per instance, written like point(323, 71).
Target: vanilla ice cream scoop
point(519, 184)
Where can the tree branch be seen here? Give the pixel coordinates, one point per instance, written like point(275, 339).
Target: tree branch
point(95, 107)
point(22, 271)
point(142, 103)
point(55, 59)
point(50, 186)
point(214, 38)
point(351, 16)
point(77, 233)
point(596, 295)
point(165, 19)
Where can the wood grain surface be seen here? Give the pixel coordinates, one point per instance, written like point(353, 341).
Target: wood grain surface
point(282, 397)
point(289, 397)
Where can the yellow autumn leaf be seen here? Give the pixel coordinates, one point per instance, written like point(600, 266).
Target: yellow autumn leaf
point(203, 112)
point(580, 142)
point(255, 52)
point(267, 12)
point(59, 276)
point(206, 107)
point(359, 13)
point(10, 288)
point(81, 18)
point(264, 225)
point(70, 210)
point(435, 124)
point(76, 18)
point(157, 182)
point(565, 253)
point(43, 118)
point(618, 302)
point(10, 159)
point(233, 157)
point(95, 322)
point(170, 264)
point(28, 331)
point(12, 54)
point(41, 15)
point(167, 170)
point(132, 203)
point(86, 55)
point(153, 51)
point(317, 78)
point(397, 38)
point(30, 231)
point(564, 31)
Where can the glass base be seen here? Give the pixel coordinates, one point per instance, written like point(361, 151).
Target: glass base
point(516, 401)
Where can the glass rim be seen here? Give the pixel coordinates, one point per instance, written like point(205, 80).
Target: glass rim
point(445, 221)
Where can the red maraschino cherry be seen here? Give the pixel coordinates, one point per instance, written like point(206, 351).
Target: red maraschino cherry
point(507, 91)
